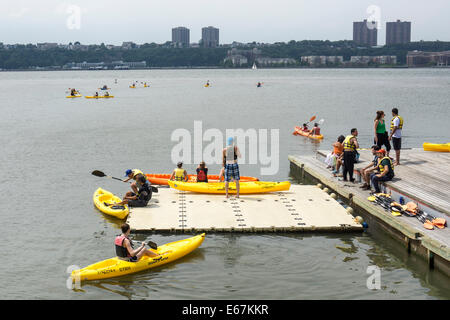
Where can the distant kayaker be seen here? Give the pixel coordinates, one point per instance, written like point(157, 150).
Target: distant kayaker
point(73, 92)
point(229, 157)
point(106, 94)
point(259, 84)
point(370, 168)
point(305, 127)
point(202, 172)
point(179, 174)
point(124, 247)
point(350, 146)
point(381, 135)
point(96, 94)
point(315, 131)
point(396, 134)
point(105, 87)
point(385, 170)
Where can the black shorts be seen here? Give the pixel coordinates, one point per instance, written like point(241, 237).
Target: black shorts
point(397, 143)
point(137, 203)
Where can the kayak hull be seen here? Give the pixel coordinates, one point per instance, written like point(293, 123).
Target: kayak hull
point(444, 147)
point(162, 179)
point(299, 131)
point(101, 196)
point(116, 267)
point(251, 187)
point(76, 96)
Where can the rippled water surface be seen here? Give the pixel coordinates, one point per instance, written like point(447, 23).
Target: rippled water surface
point(51, 144)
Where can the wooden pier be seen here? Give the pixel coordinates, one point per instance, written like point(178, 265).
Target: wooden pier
point(301, 209)
point(422, 177)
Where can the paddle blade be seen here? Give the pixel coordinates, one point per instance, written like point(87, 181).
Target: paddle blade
point(152, 245)
point(312, 119)
point(98, 173)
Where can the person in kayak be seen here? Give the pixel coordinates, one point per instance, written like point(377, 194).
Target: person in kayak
point(259, 85)
point(96, 94)
point(179, 174)
point(202, 172)
point(105, 87)
point(385, 170)
point(106, 94)
point(381, 135)
point(229, 157)
point(305, 127)
point(73, 92)
point(315, 131)
point(396, 134)
point(370, 168)
point(124, 247)
point(350, 146)
point(134, 174)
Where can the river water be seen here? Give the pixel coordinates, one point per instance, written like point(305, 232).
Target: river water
point(51, 144)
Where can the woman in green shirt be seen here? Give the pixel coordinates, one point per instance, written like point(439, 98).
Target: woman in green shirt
point(381, 135)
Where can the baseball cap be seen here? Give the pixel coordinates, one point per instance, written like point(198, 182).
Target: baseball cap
point(230, 141)
point(381, 151)
point(128, 172)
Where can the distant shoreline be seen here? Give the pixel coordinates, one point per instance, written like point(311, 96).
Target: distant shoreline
point(222, 68)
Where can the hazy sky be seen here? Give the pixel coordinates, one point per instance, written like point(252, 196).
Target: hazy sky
point(141, 21)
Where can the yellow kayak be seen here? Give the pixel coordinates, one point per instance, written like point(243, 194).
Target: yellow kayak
point(444, 147)
point(102, 196)
point(219, 187)
point(116, 267)
point(132, 87)
point(94, 97)
point(76, 96)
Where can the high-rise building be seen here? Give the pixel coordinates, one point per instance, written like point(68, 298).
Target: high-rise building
point(210, 37)
point(180, 36)
point(365, 33)
point(398, 32)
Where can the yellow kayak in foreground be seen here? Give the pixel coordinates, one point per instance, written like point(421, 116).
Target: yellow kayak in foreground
point(444, 147)
point(102, 196)
point(94, 97)
point(75, 96)
point(116, 267)
point(250, 187)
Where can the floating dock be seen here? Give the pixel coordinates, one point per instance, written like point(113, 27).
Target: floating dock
point(301, 209)
point(422, 177)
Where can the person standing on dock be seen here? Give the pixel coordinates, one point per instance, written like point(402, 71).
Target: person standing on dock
point(381, 135)
point(396, 134)
point(350, 146)
point(229, 157)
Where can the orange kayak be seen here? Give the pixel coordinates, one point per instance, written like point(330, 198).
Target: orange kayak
point(162, 179)
point(299, 131)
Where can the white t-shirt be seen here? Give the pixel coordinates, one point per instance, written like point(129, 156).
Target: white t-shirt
point(398, 132)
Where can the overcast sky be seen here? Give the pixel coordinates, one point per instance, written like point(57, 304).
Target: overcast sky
point(141, 21)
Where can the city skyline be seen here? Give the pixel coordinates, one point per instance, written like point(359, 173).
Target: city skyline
point(53, 21)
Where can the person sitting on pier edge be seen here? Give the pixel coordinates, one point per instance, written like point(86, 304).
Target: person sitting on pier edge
point(315, 131)
point(124, 247)
point(386, 170)
point(140, 198)
point(134, 174)
point(396, 134)
point(179, 174)
point(202, 172)
point(367, 171)
point(350, 146)
point(338, 149)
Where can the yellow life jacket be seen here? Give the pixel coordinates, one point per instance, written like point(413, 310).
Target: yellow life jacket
point(400, 124)
point(381, 167)
point(348, 144)
point(179, 174)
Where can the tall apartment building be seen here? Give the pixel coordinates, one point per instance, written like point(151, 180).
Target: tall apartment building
point(365, 33)
point(180, 36)
point(398, 32)
point(210, 37)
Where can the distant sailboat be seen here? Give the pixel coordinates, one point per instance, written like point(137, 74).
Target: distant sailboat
point(254, 66)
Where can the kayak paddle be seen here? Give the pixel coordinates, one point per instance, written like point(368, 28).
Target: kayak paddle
point(100, 174)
